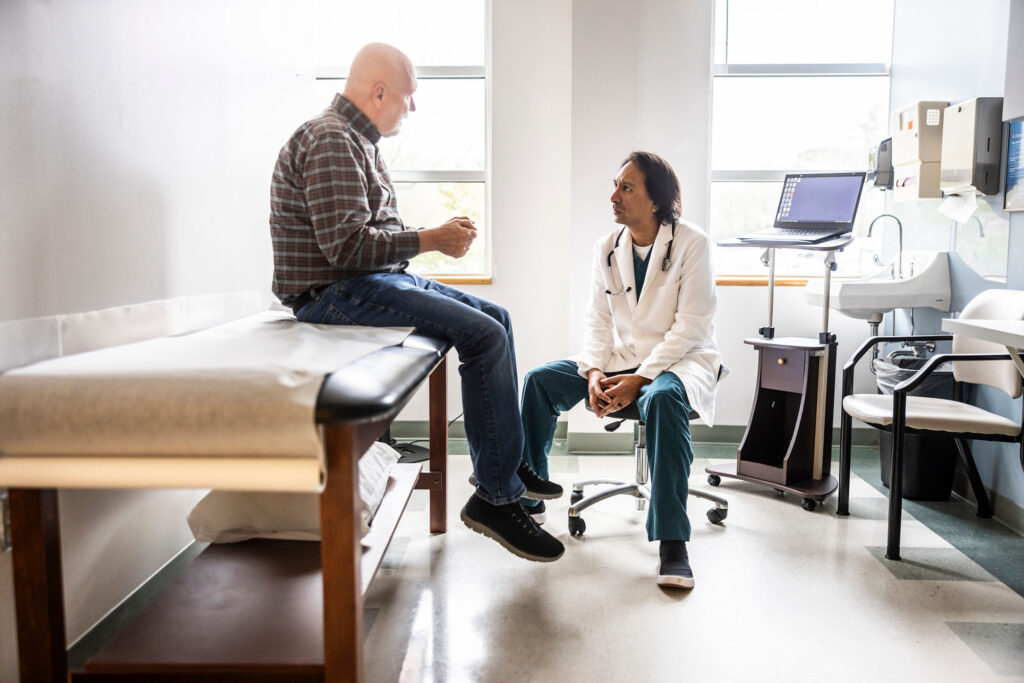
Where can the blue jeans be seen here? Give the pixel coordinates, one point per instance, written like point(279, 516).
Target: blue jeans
point(481, 333)
point(556, 387)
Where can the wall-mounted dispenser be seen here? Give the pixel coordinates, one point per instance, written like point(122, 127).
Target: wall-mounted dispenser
point(972, 141)
point(917, 150)
point(880, 165)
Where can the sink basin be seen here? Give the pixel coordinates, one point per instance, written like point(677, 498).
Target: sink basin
point(869, 298)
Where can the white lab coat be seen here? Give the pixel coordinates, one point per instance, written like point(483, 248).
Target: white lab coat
point(670, 327)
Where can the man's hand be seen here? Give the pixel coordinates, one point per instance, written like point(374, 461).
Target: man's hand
point(598, 399)
point(620, 390)
point(452, 239)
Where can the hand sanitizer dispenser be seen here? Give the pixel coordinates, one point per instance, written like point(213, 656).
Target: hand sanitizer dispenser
point(972, 140)
point(916, 150)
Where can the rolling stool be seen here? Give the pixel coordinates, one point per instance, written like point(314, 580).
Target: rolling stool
point(639, 488)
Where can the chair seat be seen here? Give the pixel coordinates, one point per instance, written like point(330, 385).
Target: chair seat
point(934, 414)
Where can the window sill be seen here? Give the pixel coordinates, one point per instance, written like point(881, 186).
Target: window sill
point(753, 281)
point(460, 279)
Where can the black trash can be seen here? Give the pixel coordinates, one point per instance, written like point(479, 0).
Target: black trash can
point(928, 461)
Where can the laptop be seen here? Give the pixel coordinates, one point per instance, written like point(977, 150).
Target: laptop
point(813, 208)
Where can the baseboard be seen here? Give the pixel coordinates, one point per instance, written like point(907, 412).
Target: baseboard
point(620, 441)
point(1005, 510)
point(113, 621)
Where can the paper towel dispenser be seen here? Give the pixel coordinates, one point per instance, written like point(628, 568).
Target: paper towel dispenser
point(972, 140)
point(916, 149)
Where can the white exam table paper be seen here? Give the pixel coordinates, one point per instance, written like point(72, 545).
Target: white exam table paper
point(228, 407)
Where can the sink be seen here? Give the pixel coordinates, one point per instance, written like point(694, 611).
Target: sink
point(925, 285)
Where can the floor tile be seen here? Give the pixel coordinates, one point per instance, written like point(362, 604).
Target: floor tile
point(1000, 645)
point(775, 585)
point(931, 564)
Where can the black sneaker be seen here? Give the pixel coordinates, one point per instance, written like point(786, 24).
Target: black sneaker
point(511, 526)
point(537, 488)
point(674, 571)
point(539, 512)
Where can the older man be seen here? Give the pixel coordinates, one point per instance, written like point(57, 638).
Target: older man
point(340, 257)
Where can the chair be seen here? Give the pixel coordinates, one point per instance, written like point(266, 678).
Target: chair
point(901, 414)
point(639, 488)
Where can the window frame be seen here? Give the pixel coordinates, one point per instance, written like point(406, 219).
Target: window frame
point(447, 73)
point(777, 70)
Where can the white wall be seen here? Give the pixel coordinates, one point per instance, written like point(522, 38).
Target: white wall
point(975, 66)
point(137, 139)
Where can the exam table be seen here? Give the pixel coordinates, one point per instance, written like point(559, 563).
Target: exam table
point(257, 610)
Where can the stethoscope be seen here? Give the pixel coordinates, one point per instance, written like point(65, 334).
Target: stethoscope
point(665, 262)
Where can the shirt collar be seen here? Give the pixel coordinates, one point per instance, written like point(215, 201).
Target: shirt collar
point(360, 122)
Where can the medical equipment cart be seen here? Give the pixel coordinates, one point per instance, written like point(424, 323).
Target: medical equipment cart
point(788, 441)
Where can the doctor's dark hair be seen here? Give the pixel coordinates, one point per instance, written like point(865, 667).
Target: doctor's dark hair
point(661, 183)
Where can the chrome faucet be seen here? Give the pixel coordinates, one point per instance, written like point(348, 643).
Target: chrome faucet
point(955, 225)
point(899, 256)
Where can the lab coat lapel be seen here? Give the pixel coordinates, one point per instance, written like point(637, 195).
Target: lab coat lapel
point(657, 256)
point(624, 261)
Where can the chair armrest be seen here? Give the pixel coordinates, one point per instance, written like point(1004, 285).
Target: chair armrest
point(935, 361)
point(871, 342)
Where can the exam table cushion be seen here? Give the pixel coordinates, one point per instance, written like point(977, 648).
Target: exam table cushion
point(232, 516)
point(203, 403)
point(935, 414)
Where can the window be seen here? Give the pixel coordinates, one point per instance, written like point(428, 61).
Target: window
point(438, 161)
point(799, 86)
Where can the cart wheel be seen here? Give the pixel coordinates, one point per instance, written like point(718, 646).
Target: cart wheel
point(808, 504)
point(714, 479)
point(577, 526)
point(715, 516)
point(576, 497)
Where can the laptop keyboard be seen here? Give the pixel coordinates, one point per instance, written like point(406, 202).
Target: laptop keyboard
point(800, 235)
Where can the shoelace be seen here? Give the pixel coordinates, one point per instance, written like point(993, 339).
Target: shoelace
point(526, 521)
point(529, 471)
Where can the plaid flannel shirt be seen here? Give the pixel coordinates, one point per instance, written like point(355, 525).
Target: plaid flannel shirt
point(333, 212)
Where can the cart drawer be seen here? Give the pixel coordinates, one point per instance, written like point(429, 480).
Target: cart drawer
point(783, 369)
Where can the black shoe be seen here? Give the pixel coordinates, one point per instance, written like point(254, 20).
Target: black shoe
point(511, 526)
point(674, 571)
point(539, 512)
point(537, 488)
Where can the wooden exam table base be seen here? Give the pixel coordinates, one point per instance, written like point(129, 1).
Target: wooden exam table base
point(345, 569)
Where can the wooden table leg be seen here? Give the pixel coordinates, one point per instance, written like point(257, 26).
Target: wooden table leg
point(38, 585)
point(341, 556)
point(439, 446)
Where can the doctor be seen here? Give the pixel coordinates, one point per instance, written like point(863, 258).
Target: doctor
point(648, 338)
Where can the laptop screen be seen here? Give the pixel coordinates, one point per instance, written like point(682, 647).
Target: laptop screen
point(820, 201)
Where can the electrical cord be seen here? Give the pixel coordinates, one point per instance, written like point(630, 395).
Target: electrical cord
point(413, 443)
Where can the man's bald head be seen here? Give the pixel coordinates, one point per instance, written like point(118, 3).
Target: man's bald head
point(381, 82)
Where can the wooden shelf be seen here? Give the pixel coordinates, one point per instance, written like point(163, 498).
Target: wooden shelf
point(249, 611)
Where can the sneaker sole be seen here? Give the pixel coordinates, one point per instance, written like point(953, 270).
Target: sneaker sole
point(671, 581)
point(486, 531)
point(542, 496)
point(529, 494)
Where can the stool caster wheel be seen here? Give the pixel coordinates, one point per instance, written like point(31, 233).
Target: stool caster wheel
point(714, 479)
point(715, 516)
point(576, 497)
point(808, 504)
point(577, 526)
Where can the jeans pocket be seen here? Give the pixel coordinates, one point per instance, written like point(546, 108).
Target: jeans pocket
point(333, 316)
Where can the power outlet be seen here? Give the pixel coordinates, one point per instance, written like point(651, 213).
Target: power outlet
point(5, 522)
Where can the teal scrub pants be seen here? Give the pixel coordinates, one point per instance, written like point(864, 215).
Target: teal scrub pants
point(550, 390)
